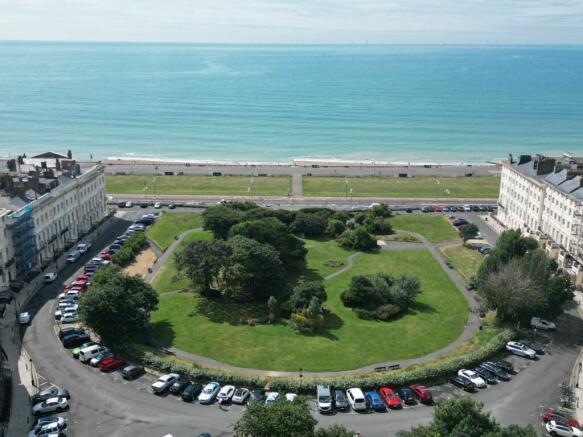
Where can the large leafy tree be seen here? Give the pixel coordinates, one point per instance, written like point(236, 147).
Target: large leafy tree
point(117, 308)
point(219, 220)
point(334, 431)
point(290, 419)
point(304, 292)
point(465, 417)
point(311, 225)
point(358, 239)
point(254, 271)
point(469, 231)
point(272, 231)
point(202, 261)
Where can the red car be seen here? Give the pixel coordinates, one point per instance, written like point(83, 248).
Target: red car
point(558, 416)
point(111, 363)
point(390, 397)
point(83, 278)
point(105, 255)
point(422, 393)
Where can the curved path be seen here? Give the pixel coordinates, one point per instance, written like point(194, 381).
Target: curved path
point(103, 404)
point(471, 326)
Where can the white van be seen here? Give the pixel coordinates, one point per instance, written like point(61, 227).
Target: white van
point(324, 399)
point(356, 399)
point(90, 352)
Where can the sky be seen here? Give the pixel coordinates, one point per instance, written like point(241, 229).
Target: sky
point(295, 21)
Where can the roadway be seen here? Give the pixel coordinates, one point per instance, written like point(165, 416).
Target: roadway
point(104, 404)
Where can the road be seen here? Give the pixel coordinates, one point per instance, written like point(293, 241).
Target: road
point(104, 404)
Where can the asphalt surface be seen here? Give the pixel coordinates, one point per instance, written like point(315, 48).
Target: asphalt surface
point(105, 404)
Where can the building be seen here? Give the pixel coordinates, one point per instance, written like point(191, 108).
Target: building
point(543, 197)
point(47, 203)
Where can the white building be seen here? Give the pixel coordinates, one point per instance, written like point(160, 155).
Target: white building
point(47, 203)
point(543, 197)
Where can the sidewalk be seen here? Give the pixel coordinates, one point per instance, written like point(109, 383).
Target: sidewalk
point(25, 380)
point(577, 373)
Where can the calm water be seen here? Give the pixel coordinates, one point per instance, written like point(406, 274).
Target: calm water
point(400, 103)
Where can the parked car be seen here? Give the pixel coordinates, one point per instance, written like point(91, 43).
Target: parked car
point(172, 206)
point(50, 277)
point(486, 375)
point(390, 397)
point(356, 399)
point(519, 349)
point(256, 395)
point(129, 204)
point(559, 416)
point(462, 382)
point(555, 428)
point(164, 382)
point(69, 318)
point(76, 350)
point(340, 400)
point(50, 419)
point(83, 247)
point(505, 365)
point(290, 397)
point(75, 340)
point(111, 363)
point(46, 430)
point(271, 397)
point(374, 401)
point(94, 362)
point(241, 395)
point(52, 392)
point(51, 405)
point(460, 222)
point(545, 325)
point(407, 396)
point(121, 204)
point(157, 205)
point(70, 331)
point(422, 393)
point(476, 379)
point(534, 345)
point(92, 351)
point(324, 399)
point(105, 255)
point(501, 374)
point(191, 392)
point(179, 385)
point(209, 393)
point(132, 372)
point(143, 205)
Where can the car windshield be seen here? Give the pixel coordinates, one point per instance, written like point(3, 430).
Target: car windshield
point(324, 399)
point(209, 390)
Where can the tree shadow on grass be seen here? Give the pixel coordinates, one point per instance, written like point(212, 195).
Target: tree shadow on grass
point(420, 307)
point(300, 272)
point(164, 332)
point(222, 310)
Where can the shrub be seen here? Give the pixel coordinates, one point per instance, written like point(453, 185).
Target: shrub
point(361, 313)
point(335, 228)
point(357, 239)
point(386, 312)
point(377, 226)
point(304, 292)
point(130, 249)
point(309, 225)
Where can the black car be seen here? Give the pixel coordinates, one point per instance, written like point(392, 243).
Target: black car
point(462, 382)
point(179, 385)
point(406, 396)
point(340, 401)
point(121, 204)
point(132, 372)
point(501, 374)
point(470, 287)
point(172, 206)
point(504, 365)
point(75, 340)
point(191, 392)
point(50, 393)
point(486, 375)
point(69, 331)
point(257, 395)
point(409, 211)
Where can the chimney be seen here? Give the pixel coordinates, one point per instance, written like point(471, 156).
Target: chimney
point(523, 159)
point(510, 161)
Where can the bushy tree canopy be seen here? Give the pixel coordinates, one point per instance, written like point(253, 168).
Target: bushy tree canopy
point(469, 231)
point(220, 219)
point(357, 239)
point(304, 292)
point(309, 225)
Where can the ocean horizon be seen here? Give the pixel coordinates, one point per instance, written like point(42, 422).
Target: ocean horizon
point(273, 103)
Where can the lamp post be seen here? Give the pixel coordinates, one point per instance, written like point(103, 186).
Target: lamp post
point(301, 376)
point(154, 181)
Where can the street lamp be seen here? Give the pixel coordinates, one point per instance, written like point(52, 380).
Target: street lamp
point(154, 181)
point(301, 376)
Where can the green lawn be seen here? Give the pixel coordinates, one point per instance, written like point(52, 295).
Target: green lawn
point(461, 187)
point(435, 228)
point(211, 328)
point(164, 279)
point(465, 260)
point(201, 185)
point(171, 224)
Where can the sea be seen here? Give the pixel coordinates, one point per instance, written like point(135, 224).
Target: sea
point(398, 103)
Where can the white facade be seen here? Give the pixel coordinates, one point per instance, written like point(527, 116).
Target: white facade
point(547, 205)
point(7, 266)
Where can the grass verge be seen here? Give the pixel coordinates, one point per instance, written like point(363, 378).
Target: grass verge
point(171, 224)
point(465, 261)
point(435, 228)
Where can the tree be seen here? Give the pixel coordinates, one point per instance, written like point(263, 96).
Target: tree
point(560, 289)
point(281, 418)
point(304, 292)
point(367, 291)
point(271, 231)
point(404, 290)
point(58, 164)
point(380, 211)
point(254, 271)
point(334, 431)
point(465, 417)
point(219, 220)
point(203, 261)
point(117, 308)
point(335, 228)
point(469, 231)
point(358, 239)
point(309, 225)
point(377, 225)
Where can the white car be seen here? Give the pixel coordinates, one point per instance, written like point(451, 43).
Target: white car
point(129, 204)
point(48, 425)
point(557, 429)
point(24, 318)
point(472, 376)
point(157, 205)
point(271, 397)
point(69, 317)
point(226, 393)
point(164, 382)
point(519, 349)
point(208, 393)
point(467, 208)
point(50, 277)
point(83, 247)
point(241, 395)
point(51, 405)
point(290, 397)
point(545, 325)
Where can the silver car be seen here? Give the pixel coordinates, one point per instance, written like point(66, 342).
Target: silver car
point(51, 405)
point(209, 393)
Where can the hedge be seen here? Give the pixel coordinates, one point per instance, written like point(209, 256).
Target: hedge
point(429, 374)
point(130, 249)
